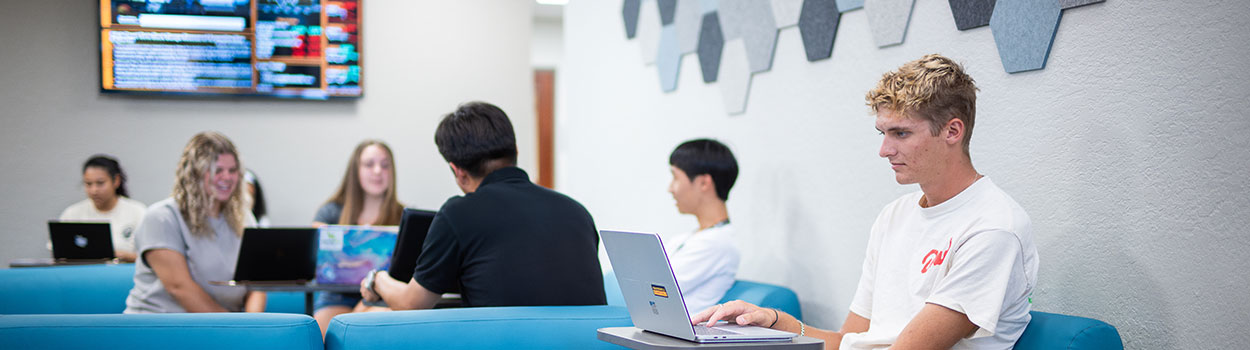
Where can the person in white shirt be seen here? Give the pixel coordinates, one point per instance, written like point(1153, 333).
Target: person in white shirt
point(105, 184)
point(950, 267)
point(706, 260)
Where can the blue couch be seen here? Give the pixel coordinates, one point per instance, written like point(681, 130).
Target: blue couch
point(520, 327)
point(90, 289)
point(762, 294)
point(1055, 331)
point(234, 331)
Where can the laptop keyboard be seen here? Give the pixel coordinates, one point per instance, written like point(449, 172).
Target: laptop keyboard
point(704, 330)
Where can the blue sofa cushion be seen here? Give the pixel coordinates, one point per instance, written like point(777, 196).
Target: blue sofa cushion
point(214, 331)
point(1055, 331)
point(765, 295)
point(518, 327)
point(85, 289)
point(762, 294)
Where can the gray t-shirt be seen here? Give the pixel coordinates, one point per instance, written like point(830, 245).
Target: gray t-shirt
point(208, 259)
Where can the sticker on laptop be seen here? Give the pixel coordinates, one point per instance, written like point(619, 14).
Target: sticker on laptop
point(659, 291)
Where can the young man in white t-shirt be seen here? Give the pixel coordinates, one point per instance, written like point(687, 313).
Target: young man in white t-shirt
point(705, 261)
point(950, 267)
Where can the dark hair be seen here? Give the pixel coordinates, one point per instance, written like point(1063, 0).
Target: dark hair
point(110, 165)
point(476, 133)
point(258, 200)
point(707, 156)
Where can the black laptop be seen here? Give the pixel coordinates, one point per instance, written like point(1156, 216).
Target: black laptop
point(412, 230)
point(80, 241)
point(277, 255)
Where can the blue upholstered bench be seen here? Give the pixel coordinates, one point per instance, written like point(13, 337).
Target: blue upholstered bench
point(762, 294)
point(89, 289)
point(520, 327)
point(214, 331)
point(1054, 331)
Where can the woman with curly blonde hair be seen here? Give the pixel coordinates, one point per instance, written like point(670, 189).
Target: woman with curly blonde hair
point(193, 237)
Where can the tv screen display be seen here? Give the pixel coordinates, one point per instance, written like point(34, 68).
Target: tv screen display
point(283, 48)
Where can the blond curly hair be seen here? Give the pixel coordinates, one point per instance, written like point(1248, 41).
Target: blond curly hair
point(933, 88)
point(198, 163)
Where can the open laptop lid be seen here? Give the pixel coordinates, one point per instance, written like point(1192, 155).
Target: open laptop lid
point(80, 240)
point(413, 227)
point(347, 253)
point(652, 295)
point(276, 255)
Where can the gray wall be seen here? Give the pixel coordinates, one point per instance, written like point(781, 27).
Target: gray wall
point(1129, 151)
point(421, 59)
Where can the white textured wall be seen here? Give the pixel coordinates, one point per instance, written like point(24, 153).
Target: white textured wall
point(1130, 151)
point(421, 59)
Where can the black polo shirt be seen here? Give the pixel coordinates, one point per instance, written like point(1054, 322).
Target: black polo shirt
point(513, 243)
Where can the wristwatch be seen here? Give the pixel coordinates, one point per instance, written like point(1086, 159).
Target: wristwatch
point(369, 281)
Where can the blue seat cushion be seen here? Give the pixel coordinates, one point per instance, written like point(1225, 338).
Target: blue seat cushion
point(1055, 331)
point(517, 327)
point(211, 331)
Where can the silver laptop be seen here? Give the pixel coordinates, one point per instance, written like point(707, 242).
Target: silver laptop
point(654, 298)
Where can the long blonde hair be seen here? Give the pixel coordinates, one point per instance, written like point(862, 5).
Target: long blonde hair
point(198, 163)
point(352, 197)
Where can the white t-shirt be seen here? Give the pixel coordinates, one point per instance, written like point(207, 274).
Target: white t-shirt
point(973, 254)
point(122, 220)
point(705, 263)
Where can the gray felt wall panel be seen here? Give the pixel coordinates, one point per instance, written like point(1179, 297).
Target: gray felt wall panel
point(847, 5)
point(972, 13)
point(1067, 4)
point(689, 18)
point(1023, 31)
point(786, 12)
point(888, 20)
point(735, 76)
point(649, 31)
point(711, 42)
point(668, 61)
point(668, 8)
point(818, 26)
point(629, 11)
point(751, 20)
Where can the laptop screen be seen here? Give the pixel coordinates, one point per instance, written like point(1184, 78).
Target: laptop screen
point(276, 254)
point(412, 230)
point(348, 253)
point(80, 240)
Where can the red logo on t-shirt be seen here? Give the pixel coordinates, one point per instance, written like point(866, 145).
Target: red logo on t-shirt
point(935, 257)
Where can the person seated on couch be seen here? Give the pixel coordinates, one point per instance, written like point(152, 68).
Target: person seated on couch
point(105, 183)
point(507, 241)
point(950, 266)
point(705, 261)
point(193, 237)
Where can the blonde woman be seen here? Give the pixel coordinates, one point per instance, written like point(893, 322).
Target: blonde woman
point(366, 196)
point(193, 237)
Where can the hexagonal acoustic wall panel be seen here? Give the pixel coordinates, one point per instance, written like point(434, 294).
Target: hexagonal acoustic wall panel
point(649, 30)
point(735, 76)
point(786, 12)
point(887, 19)
point(1023, 31)
point(711, 42)
point(818, 25)
point(687, 21)
point(972, 13)
point(630, 13)
point(847, 5)
point(1067, 4)
point(753, 21)
point(668, 63)
point(667, 9)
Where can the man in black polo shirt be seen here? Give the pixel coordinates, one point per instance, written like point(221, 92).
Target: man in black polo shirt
point(506, 242)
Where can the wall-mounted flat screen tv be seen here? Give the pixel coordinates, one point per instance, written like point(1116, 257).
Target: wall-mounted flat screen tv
point(282, 48)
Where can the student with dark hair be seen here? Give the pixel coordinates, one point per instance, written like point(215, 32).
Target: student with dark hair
point(507, 241)
point(105, 184)
point(705, 261)
point(256, 198)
